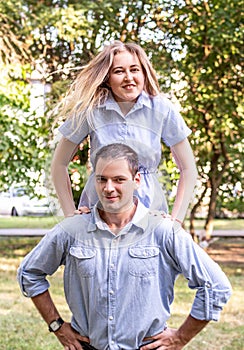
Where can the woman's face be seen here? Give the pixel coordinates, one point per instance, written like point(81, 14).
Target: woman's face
point(126, 78)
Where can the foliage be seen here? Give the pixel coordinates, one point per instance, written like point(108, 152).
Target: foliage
point(210, 67)
point(24, 135)
point(194, 45)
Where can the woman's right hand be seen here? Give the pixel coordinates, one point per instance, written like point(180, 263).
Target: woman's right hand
point(79, 211)
point(82, 210)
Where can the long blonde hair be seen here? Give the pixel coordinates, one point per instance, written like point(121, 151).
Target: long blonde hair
point(90, 88)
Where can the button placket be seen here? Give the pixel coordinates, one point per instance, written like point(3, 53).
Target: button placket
point(112, 273)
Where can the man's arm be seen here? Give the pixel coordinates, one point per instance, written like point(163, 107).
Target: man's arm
point(67, 336)
point(176, 339)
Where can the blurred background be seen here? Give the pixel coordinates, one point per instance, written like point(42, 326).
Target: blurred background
point(196, 48)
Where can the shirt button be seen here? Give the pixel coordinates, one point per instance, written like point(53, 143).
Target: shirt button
point(208, 285)
point(111, 318)
point(111, 292)
point(112, 342)
point(112, 266)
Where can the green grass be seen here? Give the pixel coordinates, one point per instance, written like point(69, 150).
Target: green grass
point(22, 328)
point(29, 222)
point(50, 221)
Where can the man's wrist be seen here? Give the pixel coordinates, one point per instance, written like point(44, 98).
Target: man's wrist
point(55, 325)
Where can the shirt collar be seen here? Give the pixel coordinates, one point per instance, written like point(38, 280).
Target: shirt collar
point(140, 218)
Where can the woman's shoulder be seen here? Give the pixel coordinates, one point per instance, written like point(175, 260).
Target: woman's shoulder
point(160, 102)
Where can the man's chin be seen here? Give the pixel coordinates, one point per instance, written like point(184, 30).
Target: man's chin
point(111, 208)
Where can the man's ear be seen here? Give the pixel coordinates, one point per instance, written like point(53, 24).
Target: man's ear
point(137, 180)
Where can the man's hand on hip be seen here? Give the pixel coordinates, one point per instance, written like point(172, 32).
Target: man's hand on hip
point(167, 340)
point(69, 338)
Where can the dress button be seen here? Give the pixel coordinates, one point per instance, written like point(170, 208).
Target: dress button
point(111, 318)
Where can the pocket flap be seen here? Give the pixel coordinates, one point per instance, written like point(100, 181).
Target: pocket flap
point(143, 252)
point(82, 252)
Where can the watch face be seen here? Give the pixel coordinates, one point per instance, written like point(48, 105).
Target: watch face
point(55, 325)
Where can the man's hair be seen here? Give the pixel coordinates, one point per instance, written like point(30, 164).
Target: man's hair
point(119, 151)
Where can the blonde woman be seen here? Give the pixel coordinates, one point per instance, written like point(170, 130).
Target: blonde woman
point(116, 98)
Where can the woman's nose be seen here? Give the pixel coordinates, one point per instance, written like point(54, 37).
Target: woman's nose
point(128, 76)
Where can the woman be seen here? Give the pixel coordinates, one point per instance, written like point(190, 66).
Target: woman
point(116, 98)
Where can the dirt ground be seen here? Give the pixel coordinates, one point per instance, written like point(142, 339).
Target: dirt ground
point(227, 250)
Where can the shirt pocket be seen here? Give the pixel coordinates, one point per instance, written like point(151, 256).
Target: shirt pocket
point(143, 261)
point(84, 260)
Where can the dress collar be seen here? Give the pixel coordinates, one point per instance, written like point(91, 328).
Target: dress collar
point(111, 104)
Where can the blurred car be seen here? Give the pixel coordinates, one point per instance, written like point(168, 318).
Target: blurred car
point(17, 202)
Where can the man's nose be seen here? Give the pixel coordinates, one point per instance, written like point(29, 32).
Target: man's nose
point(109, 186)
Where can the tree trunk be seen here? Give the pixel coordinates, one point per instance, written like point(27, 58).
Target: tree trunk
point(211, 212)
point(193, 213)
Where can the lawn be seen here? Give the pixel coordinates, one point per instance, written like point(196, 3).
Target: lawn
point(21, 327)
point(49, 221)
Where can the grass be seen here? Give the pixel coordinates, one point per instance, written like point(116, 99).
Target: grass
point(49, 221)
point(45, 222)
point(22, 328)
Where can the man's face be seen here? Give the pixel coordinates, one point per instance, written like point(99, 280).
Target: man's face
point(115, 185)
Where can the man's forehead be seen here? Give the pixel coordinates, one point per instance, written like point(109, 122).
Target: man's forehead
point(111, 165)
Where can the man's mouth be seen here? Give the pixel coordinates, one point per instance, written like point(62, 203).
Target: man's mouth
point(111, 198)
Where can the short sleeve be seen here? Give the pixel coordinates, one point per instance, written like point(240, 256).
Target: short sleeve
point(76, 135)
point(174, 129)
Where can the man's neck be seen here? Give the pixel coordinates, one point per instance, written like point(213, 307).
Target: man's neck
point(116, 221)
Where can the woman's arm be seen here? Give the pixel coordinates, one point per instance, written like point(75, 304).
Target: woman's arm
point(63, 154)
point(185, 161)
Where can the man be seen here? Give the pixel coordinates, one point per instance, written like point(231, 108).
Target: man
point(121, 262)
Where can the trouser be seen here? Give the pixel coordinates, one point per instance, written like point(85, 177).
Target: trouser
point(87, 346)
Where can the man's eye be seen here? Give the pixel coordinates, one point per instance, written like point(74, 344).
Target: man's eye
point(100, 179)
point(120, 180)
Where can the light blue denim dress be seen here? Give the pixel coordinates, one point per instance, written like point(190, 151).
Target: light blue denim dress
point(150, 121)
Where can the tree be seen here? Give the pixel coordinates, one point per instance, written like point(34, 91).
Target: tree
point(210, 63)
point(194, 45)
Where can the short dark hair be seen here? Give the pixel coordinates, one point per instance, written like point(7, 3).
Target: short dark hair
point(119, 151)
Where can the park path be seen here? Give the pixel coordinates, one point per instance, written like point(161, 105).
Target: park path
point(38, 232)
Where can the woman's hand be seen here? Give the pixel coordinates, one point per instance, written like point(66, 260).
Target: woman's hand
point(79, 211)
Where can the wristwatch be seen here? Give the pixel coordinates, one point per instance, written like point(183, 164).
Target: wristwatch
point(55, 325)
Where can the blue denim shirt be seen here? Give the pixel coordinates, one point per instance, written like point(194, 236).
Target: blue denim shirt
point(151, 120)
point(119, 287)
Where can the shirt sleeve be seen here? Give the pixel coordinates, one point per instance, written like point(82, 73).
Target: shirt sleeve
point(73, 133)
point(204, 275)
point(43, 260)
point(174, 128)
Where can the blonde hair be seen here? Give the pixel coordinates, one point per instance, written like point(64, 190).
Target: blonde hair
point(89, 89)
